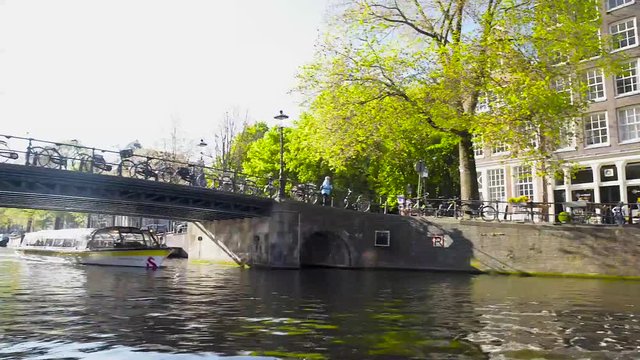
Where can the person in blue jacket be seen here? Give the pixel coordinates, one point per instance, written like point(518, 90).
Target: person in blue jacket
point(325, 190)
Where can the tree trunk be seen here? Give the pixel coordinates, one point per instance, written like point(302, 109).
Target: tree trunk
point(468, 177)
point(29, 224)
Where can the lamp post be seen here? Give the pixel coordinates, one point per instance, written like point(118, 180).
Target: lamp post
point(202, 145)
point(281, 117)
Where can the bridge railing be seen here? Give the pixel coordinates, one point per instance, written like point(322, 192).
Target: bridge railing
point(134, 162)
point(573, 212)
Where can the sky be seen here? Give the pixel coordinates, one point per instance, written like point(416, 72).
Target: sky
point(107, 72)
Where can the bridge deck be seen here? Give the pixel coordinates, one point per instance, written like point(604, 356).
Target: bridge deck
point(53, 189)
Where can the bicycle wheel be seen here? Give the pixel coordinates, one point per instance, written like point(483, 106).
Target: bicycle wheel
point(47, 158)
point(141, 171)
point(363, 205)
point(250, 187)
point(200, 181)
point(312, 198)
point(126, 168)
point(6, 154)
point(488, 213)
point(82, 163)
point(168, 174)
point(226, 184)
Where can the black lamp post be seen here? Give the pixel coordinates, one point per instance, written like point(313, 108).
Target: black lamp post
point(281, 117)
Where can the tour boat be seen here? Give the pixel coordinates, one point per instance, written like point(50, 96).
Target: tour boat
point(114, 246)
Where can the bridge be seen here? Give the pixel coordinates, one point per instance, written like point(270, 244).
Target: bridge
point(48, 175)
point(55, 189)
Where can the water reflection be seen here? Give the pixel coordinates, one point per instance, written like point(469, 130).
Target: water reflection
point(186, 310)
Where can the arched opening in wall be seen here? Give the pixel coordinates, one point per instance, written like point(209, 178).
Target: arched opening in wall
point(325, 248)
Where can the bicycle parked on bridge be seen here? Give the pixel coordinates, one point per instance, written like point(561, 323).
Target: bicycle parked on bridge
point(6, 154)
point(305, 192)
point(360, 203)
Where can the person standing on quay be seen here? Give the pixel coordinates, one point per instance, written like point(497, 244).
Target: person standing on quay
point(325, 190)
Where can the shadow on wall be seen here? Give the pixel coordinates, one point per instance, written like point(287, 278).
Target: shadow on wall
point(325, 248)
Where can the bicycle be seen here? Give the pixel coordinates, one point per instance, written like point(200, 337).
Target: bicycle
point(305, 192)
point(47, 157)
point(6, 154)
point(360, 204)
point(421, 207)
point(224, 183)
point(270, 190)
point(193, 175)
point(448, 208)
point(479, 209)
point(247, 187)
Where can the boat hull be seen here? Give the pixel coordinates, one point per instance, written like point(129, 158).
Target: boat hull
point(145, 258)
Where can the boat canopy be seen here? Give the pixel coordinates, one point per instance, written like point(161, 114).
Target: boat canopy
point(122, 237)
point(68, 238)
point(109, 237)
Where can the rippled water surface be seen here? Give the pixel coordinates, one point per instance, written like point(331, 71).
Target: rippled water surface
point(187, 311)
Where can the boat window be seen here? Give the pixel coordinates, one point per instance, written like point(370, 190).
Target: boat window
point(69, 243)
point(104, 239)
point(48, 242)
point(150, 239)
point(133, 240)
point(58, 242)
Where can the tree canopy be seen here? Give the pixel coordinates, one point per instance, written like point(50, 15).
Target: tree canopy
point(440, 59)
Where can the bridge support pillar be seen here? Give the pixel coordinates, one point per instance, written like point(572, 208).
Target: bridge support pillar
point(267, 242)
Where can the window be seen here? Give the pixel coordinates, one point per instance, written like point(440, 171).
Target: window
point(563, 86)
point(632, 171)
point(608, 173)
point(485, 100)
point(612, 4)
point(595, 129)
point(478, 146)
point(567, 136)
point(499, 147)
point(627, 80)
point(629, 123)
point(382, 238)
point(595, 85)
point(483, 104)
point(623, 34)
point(496, 184)
point(582, 176)
point(523, 181)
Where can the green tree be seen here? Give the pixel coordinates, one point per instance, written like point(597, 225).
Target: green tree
point(439, 58)
point(242, 143)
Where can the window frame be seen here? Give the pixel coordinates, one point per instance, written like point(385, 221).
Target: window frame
point(491, 179)
point(606, 127)
point(631, 2)
point(635, 77)
point(636, 124)
point(599, 73)
point(478, 147)
point(635, 34)
point(519, 172)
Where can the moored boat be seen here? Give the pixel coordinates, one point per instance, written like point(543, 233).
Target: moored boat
point(115, 246)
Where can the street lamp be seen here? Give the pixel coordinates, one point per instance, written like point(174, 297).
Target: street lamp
point(281, 117)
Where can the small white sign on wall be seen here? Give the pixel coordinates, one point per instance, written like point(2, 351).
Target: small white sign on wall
point(440, 240)
point(382, 238)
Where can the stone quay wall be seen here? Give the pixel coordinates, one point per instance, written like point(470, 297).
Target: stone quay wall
point(298, 234)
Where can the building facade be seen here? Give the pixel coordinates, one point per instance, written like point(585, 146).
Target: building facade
point(606, 144)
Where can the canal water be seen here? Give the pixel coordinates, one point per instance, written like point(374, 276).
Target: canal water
point(202, 311)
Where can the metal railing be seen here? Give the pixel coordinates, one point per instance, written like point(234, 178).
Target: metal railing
point(573, 212)
point(133, 163)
